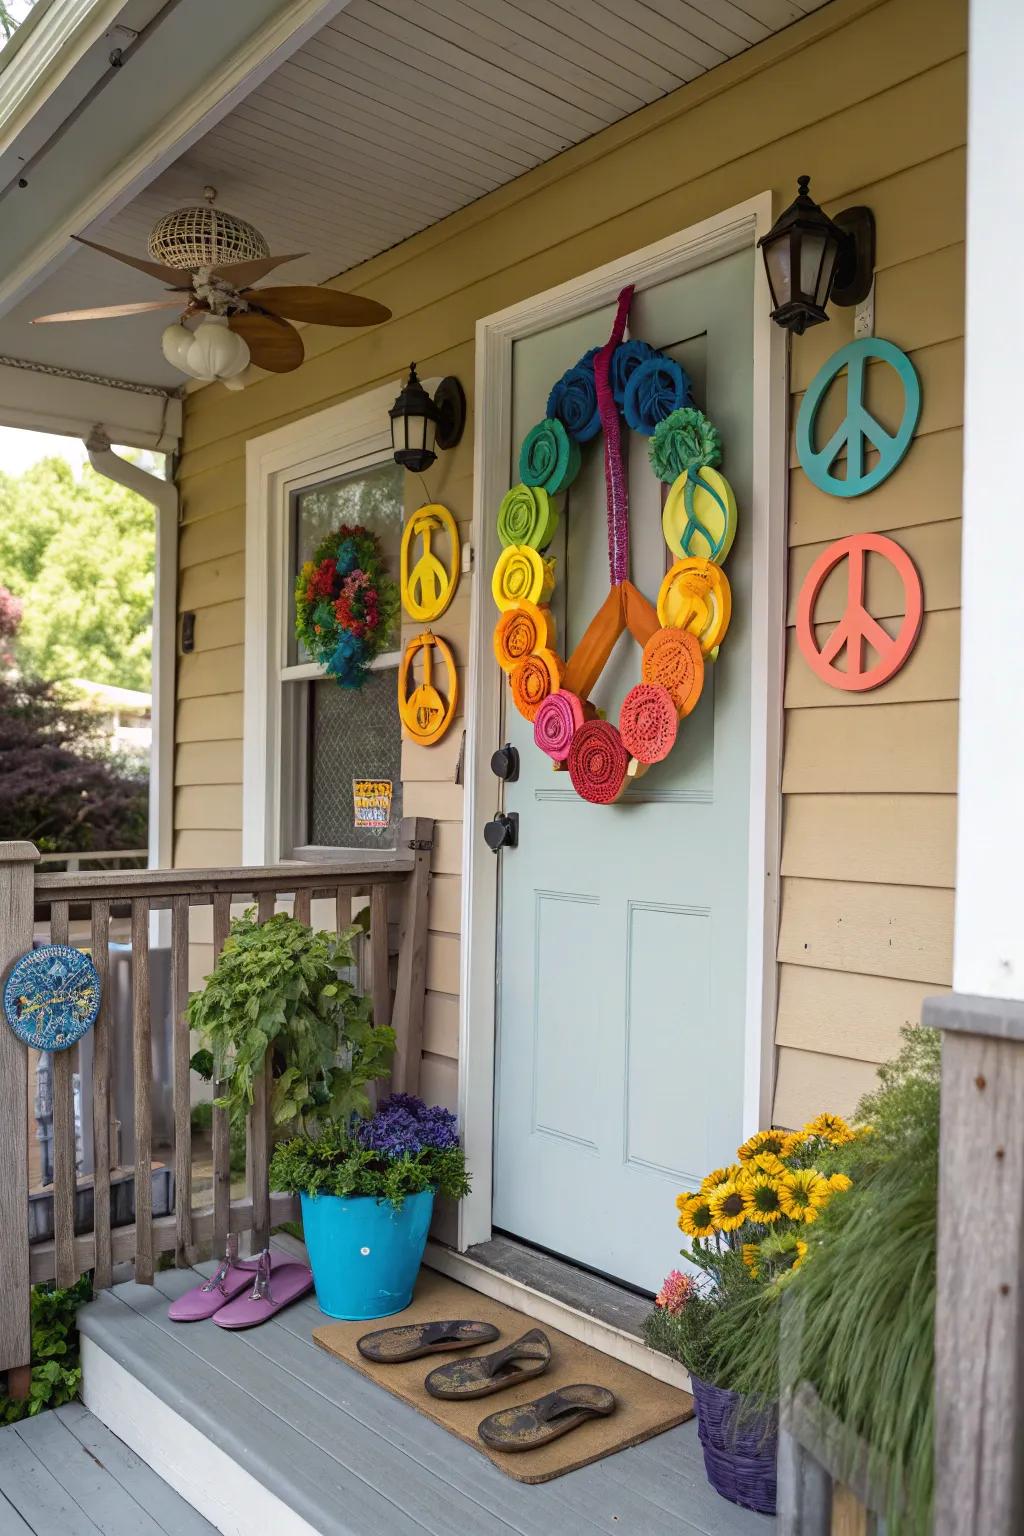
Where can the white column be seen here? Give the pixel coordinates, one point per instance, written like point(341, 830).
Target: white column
point(989, 943)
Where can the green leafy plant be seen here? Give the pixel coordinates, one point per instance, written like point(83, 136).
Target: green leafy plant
point(402, 1150)
point(279, 986)
point(56, 1373)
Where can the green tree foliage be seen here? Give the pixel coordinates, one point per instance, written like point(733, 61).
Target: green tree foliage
point(79, 554)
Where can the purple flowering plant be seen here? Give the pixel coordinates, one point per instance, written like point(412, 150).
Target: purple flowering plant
point(405, 1147)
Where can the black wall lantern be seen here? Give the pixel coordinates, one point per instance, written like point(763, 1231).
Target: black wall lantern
point(812, 259)
point(420, 425)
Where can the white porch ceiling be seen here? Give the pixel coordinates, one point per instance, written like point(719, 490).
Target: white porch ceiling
point(394, 115)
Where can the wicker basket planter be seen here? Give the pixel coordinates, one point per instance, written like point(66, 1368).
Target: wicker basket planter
point(739, 1451)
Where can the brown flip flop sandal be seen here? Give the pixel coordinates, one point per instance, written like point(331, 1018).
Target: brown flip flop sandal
point(392, 1346)
point(532, 1425)
point(481, 1375)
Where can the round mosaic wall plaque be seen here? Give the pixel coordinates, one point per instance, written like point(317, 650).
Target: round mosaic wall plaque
point(52, 997)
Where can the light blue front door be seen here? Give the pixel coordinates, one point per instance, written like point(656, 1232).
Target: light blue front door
point(622, 942)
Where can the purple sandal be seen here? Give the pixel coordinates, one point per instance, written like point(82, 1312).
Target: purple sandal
point(273, 1290)
point(234, 1276)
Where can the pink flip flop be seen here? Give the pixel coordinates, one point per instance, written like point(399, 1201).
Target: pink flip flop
point(272, 1291)
point(232, 1278)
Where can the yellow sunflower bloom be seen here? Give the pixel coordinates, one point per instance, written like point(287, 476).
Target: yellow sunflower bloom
point(762, 1141)
point(751, 1257)
point(838, 1182)
point(833, 1128)
point(730, 1204)
point(696, 1218)
point(719, 1176)
point(764, 1164)
point(803, 1193)
point(793, 1142)
point(683, 1199)
point(801, 1253)
point(765, 1196)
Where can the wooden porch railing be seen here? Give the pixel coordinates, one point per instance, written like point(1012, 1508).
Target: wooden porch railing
point(26, 893)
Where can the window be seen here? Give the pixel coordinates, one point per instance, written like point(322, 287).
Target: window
point(306, 739)
point(334, 736)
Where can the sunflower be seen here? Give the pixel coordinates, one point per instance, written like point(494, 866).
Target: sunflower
point(720, 1176)
point(751, 1253)
point(765, 1196)
point(793, 1142)
point(801, 1253)
point(730, 1205)
point(766, 1164)
point(803, 1193)
point(839, 1182)
point(696, 1218)
point(833, 1128)
point(762, 1141)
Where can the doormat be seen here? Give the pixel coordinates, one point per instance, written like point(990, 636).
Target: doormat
point(645, 1406)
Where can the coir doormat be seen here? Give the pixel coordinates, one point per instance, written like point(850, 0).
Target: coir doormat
point(645, 1407)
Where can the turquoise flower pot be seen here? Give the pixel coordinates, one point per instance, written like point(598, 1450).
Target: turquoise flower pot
point(364, 1254)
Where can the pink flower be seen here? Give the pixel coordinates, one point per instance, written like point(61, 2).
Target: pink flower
point(675, 1292)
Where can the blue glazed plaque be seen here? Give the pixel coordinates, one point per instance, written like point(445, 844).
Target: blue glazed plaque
point(858, 430)
point(52, 997)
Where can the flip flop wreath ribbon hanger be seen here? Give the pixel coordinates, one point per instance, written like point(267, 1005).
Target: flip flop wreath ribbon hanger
point(694, 604)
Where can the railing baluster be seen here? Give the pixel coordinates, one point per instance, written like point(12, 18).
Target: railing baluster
point(101, 1148)
point(303, 905)
point(182, 1082)
point(221, 1129)
point(380, 961)
point(416, 832)
point(16, 861)
point(142, 1057)
point(258, 1139)
point(62, 1067)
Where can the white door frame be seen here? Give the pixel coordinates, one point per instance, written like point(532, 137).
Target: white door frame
point(736, 229)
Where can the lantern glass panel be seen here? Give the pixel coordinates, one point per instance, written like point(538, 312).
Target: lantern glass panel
point(779, 266)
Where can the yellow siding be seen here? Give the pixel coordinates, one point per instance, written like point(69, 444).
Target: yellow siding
point(870, 98)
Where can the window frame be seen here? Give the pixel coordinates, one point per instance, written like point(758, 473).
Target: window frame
point(329, 444)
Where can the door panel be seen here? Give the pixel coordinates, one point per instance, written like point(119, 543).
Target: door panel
point(621, 970)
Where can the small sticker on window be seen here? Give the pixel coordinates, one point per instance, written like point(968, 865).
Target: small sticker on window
point(371, 800)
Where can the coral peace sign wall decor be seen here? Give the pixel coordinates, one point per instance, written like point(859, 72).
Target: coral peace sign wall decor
point(857, 629)
point(858, 429)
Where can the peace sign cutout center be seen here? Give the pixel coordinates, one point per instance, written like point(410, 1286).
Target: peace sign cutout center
point(858, 629)
point(858, 429)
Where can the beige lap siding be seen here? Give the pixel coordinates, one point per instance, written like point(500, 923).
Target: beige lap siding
point(870, 99)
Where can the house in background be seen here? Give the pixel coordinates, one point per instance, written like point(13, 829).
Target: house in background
point(618, 997)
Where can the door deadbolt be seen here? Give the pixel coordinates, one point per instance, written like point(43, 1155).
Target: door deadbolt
point(505, 763)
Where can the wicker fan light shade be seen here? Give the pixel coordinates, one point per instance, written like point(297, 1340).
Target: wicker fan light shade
point(202, 236)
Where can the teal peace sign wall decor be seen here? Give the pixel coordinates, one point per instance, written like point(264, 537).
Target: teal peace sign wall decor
point(858, 430)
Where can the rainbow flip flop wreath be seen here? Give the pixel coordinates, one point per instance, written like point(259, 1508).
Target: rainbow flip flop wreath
point(622, 382)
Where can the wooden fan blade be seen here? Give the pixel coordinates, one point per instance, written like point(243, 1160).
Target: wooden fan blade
point(319, 306)
point(273, 343)
point(108, 311)
point(241, 273)
point(174, 277)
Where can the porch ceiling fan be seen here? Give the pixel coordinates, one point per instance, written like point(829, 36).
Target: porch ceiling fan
point(210, 259)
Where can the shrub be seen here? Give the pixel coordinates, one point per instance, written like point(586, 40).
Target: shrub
point(56, 1373)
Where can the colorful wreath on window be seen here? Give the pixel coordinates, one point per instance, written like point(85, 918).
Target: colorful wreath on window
point(346, 604)
point(630, 383)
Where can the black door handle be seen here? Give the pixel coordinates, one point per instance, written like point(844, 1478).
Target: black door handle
point(502, 831)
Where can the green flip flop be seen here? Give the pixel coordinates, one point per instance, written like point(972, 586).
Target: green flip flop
point(481, 1375)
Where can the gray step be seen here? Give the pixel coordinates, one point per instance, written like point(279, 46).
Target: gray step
point(339, 1456)
point(64, 1474)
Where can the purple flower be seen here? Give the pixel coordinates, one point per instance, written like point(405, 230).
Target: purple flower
point(403, 1126)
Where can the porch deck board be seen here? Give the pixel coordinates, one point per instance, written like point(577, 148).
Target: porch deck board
point(64, 1474)
point(354, 1461)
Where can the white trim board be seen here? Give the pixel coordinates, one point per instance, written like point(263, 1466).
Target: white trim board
point(733, 230)
point(206, 1477)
